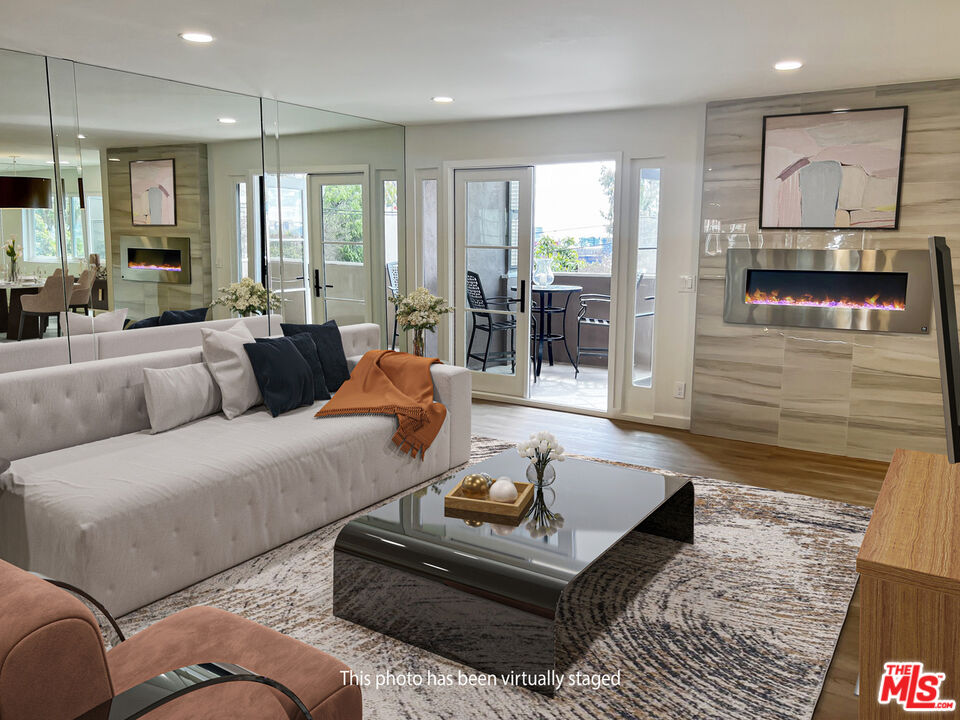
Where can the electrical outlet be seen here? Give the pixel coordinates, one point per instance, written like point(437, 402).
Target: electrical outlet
point(679, 390)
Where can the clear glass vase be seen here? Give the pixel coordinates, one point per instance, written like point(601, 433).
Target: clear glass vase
point(541, 475)
point(419, 343)
point(542, 271)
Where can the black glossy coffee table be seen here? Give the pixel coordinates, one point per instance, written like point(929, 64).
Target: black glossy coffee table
point(488, 595)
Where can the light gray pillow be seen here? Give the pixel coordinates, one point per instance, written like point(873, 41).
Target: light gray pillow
point(177, 395)
point(100, 323)
point(228, 363)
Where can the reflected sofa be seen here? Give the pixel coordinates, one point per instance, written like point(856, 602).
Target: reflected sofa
point(50, 352)
point(93, 499)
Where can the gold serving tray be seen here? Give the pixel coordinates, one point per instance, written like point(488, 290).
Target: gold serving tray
point(458, 505)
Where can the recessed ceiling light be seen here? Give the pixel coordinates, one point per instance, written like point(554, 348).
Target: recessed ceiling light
point(196, 37)
point(442, 99)
point(81, 136)
point(114, 159)
point(788, 65)
point(227, 120)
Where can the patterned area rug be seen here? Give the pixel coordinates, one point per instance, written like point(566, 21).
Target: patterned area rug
point(742, 624)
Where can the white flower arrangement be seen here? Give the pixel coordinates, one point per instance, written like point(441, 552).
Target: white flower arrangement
point(247, 297)
point(542, 448)
point(420, 310)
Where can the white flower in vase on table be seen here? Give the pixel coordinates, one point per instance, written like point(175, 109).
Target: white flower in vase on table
point(542, 448)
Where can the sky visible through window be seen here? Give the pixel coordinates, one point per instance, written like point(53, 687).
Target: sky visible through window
point(572, 215)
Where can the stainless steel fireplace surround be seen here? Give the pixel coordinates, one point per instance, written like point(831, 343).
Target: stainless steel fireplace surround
point(874, 290)
point(155, 259)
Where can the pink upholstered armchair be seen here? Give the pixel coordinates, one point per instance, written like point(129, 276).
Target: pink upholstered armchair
point(198, 663)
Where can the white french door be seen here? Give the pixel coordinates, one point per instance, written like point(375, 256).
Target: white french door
point(340, 248)
point(493, 237)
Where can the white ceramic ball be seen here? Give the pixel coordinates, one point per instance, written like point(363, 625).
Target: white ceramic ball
point(503, 490)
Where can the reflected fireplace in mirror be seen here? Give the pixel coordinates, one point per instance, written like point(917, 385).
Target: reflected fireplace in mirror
point(155, 259)
point(151, 259)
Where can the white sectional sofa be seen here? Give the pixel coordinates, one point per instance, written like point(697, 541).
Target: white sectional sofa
point(92, 498)
point(50, 352)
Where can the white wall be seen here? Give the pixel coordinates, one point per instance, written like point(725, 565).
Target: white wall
point(674, 136)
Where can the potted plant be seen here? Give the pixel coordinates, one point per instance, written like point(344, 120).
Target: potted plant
point(419, 311)
point(247, 297)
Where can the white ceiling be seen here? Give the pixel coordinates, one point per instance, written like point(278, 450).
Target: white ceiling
point(500, 58)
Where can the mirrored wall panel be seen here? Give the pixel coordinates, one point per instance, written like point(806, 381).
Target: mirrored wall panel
point(33, 275)
point(333, 225)
point(131, 203)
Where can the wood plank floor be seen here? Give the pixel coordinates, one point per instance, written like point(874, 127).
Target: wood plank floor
point(826, 476)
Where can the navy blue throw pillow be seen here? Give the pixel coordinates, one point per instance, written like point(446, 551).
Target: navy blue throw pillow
point(283, 376)
point(145, 323)
point(304, 343)
point(181, 317)
point(329, 348)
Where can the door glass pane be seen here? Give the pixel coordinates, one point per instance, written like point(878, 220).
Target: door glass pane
point(428, 245)
point(346, 312)
point(648, 231)
point(391, 246)
point(241, 230)
point(493, 209)
point(343, 214)
point(490, 321)
point(428, 233)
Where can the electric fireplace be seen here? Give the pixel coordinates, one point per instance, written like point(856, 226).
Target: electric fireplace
point(155, 259)
point(877, 290)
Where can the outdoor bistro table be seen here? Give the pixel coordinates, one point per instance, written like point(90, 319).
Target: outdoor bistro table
point(545, 312)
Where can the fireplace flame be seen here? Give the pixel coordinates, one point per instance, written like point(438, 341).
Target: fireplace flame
point(761, 297)
point(146, 266)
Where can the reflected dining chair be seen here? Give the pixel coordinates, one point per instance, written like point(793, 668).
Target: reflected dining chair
point(80, 297)
point(49, 302)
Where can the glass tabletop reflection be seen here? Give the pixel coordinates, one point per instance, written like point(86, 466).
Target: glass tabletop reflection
point(588, 509)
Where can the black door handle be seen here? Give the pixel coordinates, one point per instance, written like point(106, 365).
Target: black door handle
point(316, 282)
point(523, 294)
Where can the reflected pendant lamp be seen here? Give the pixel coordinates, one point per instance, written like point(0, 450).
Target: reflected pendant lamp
point(19, 191)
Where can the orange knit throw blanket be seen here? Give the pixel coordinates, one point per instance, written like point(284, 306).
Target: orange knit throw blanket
point(392, 383)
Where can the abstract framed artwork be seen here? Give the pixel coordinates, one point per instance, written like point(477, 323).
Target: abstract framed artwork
point(832, 170)
point(153, 193)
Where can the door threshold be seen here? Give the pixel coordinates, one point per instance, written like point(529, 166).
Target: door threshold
point(527, 402)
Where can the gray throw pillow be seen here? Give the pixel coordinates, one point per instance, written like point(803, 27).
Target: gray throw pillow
point(228, 363)
point(177, 395)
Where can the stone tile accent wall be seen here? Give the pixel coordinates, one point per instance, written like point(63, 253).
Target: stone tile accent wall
point(848, 393)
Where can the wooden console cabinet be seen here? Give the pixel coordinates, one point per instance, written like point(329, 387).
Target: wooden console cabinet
point(909, 567)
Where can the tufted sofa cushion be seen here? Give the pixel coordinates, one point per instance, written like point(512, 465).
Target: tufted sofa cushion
point(135, 517)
